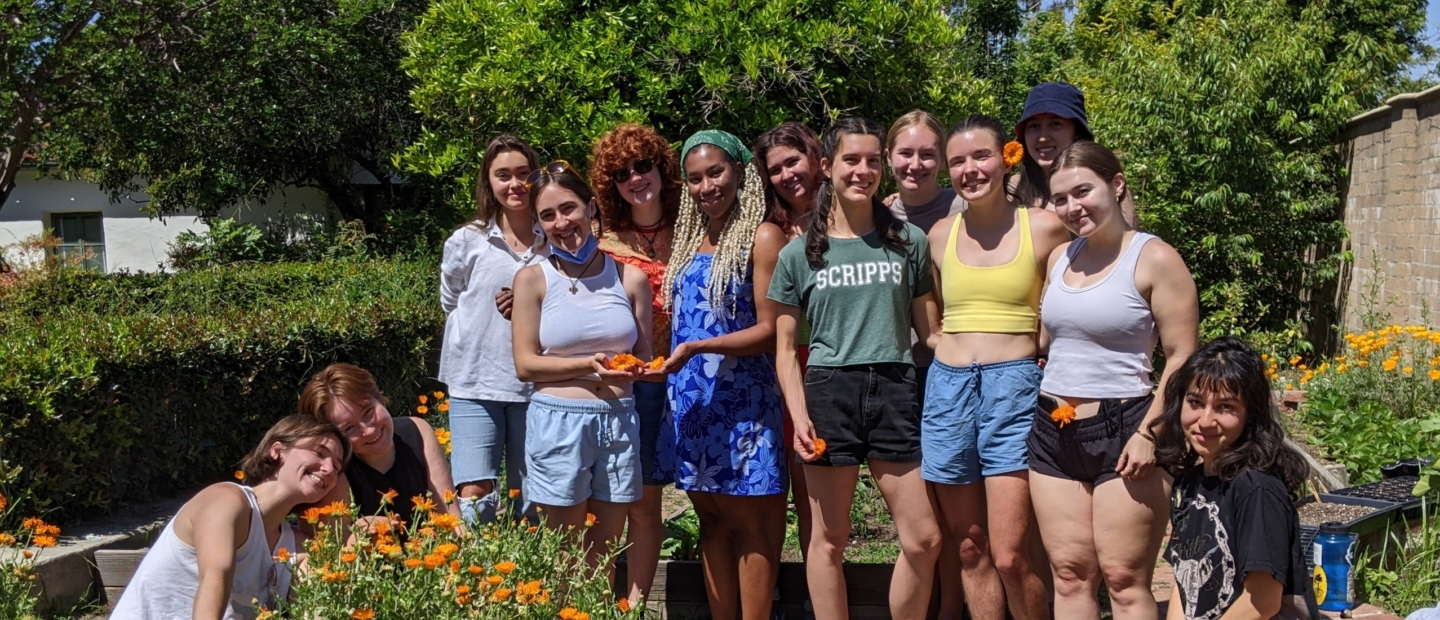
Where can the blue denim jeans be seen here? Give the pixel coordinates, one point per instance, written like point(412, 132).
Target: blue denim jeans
point(483, 435)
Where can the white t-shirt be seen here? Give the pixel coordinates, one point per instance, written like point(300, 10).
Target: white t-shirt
point(476, 358)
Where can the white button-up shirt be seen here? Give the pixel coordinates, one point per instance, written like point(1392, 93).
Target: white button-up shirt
point(476, 359)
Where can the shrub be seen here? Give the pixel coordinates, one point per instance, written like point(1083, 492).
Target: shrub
point(504, 570)
point(117, 389)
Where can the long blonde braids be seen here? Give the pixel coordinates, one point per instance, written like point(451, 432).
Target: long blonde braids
point(732, 252)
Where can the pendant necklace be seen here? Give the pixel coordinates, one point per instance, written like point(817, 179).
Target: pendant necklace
point(649, 234)
point(575, 281)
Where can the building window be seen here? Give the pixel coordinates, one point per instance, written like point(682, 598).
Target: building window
point(80, 235)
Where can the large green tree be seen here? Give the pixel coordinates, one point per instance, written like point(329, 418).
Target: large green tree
point(561, 72)
point(1226, 114)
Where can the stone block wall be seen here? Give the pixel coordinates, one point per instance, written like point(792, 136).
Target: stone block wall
point(1392, 210)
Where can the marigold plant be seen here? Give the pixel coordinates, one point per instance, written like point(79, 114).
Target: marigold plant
point(17, 563)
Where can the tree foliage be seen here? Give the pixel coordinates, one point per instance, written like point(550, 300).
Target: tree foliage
point(1226, 114)
point(561, 72)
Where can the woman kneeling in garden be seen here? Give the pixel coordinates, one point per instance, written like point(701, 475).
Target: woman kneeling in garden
point(398, 462)
point(724, 441)
point(1235, 535)
point(218, 557)
point(574, 316)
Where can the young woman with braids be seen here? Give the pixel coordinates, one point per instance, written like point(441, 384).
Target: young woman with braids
point(723, 442)
point(637, 184)
point(1054, 118)
point(1235, 536)
point(1113, 293)
point(790, 157)
point(983, 386)
point(487, 402)
point(862, 279)
point(574, 314)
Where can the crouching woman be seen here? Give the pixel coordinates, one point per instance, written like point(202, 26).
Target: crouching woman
point(573, 315)
point(216, 558)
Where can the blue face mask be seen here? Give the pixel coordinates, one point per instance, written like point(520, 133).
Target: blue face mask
point(583, 256)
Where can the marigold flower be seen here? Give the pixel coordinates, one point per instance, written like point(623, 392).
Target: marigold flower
point(433, 561)
point(449, 493)
point(444, 521)
point(623, 605)
point(413, 563)
point(1408, 369)
point(591, 519)
point(389, 549)
point(282, 555)
point(530, 588)
point(422, 410)
point(494, 580)
point(1434, 375)
point(463, 599)
point(424, 399)
point(439, 394)
point(514, 493)
point(312, 515)
point(443, 407)
point(43, 541)
point(28, 554)
point(624, 362)
point(447, 549)
point(819, 446)
point(1062, 415)
point(532, 529)
point(240, 474)
point(501, 594)
point(336, 508)
point(347, 557)
point(30, 523)
point(363, 614)
point(475, 570)
point(388, 497)
point(423, 504)
point(1013, 153)
point(427, 532)
point(505, 567)
point(1390, 365)
point(45, 529)
point(569, 613)
point(3, 502)
point(657, 363)
point(6, 540)
point(335, 576)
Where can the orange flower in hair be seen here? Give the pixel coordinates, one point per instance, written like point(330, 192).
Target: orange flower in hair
point(1062, 415)
point(1013, 153)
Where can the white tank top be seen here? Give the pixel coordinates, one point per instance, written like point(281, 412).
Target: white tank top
point(1101, 336)
point(165, 583)
point(595, 318)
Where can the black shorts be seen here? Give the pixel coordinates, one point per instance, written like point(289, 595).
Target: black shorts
point(864, 412)
point(1086, 450)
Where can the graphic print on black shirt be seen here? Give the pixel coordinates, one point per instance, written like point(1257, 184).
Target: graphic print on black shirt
point(1223, 531)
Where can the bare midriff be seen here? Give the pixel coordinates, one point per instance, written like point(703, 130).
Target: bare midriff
point(583, 389)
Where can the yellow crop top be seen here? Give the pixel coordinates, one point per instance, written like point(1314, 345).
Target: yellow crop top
point(1004, 299)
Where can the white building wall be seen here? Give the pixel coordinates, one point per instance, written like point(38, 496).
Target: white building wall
point(133, 240)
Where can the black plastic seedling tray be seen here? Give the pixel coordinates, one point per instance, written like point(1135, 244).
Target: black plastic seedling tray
point(1398, 490)
point(1372, 528)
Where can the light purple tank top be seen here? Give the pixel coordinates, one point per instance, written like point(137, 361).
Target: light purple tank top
point(1102, 336)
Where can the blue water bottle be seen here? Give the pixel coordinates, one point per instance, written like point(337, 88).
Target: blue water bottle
point(1334, 550)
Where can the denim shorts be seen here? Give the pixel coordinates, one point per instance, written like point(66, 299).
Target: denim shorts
point(864, 412)
point(1085, 450)
point(483, 435)
point(576, 449)
point(650, 404)
point(976, 420)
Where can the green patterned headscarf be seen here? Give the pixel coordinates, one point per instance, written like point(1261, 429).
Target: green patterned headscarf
point(725, 140)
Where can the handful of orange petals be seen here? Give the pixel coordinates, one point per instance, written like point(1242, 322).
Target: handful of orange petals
point(627, 362)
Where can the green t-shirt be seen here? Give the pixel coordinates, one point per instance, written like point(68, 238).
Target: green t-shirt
point(858, 302)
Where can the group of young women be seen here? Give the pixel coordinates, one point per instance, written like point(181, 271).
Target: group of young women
point(744, 323)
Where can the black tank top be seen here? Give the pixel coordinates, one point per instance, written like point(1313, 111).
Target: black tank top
point(408, 477)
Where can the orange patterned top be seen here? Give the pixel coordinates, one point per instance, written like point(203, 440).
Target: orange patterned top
point(633, 249)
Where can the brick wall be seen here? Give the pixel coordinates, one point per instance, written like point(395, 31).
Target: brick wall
point(1392, 209)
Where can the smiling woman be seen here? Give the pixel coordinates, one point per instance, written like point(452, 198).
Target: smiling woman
point(217, 557)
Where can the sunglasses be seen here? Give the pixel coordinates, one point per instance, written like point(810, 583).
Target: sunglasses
point(643, 166)
point(551, 169)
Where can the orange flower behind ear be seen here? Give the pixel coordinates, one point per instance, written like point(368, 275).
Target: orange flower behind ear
point(1013, 154)
point(1062, 415)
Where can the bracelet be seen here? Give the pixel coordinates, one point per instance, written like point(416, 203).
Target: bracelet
point(1145, 436)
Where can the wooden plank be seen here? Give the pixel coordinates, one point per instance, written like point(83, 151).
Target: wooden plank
point(117, 568)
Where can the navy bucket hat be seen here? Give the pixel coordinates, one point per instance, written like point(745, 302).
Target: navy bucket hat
point(1058, 98)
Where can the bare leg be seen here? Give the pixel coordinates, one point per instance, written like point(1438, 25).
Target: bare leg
point(963, 507)
point(1127, 538)
point(948, 569)
point(802, 502)
point(831, 491)
point(748, 533)
point(1063, 508)
point(643, 537)
point(914, 513)
point(1008, 500)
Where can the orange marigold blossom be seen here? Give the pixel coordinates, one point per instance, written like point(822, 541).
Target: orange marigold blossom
point(530, 588)
point(363, 614)
point(439, 394)
point(454, 566)
point(434, 561)
point(443, 407)
point(312, 515)
point(463, 599)
point(820, 446)
point(424, 399)
point(423, 504)
point(413, 563)
point(657, 363)
point(43, 541)
point(332, 577)
point(475, 570)
point(623, 605)
point(505, 567)
point(591, 519)
point(532, 529)
point(30, 523)
point(623, 361)
point(3, 502)
point(28, 554)
point(282, 555)
point(449, 496)
point(240, 475)
point(388, 497)
point(422, 410)
point(501, 594)
point(46, 529)
point(514, 493)
point(1013, 154)
point(1062, 415)
point(494, 580)
point(568, 613)
point(444, 521)
point(6, 540)
point(347, 557)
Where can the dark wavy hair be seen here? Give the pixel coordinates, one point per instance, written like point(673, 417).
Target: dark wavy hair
point(817, 240)
point(614, 151)
point(1231, 366)
point(486, 207)
point(990, 124)
point(796, 136)
point(570, 181)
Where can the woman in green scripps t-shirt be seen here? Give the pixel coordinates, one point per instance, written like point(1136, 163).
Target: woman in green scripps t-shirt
point(862, 279)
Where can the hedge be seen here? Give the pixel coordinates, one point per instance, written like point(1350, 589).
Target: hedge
point(120, 389)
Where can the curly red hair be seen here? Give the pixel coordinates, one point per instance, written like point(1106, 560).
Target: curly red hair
point(618, 148)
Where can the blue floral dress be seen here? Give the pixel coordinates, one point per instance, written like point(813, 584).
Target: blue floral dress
point(722, 433)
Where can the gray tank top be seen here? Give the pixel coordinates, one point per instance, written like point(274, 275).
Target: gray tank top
point(595, 318)
point(1101, 336)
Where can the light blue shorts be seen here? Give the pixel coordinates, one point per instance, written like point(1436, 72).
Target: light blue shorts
point(576, 449)
point(976, 420)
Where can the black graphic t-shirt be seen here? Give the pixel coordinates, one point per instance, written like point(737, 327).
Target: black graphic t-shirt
point(1223, 531)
